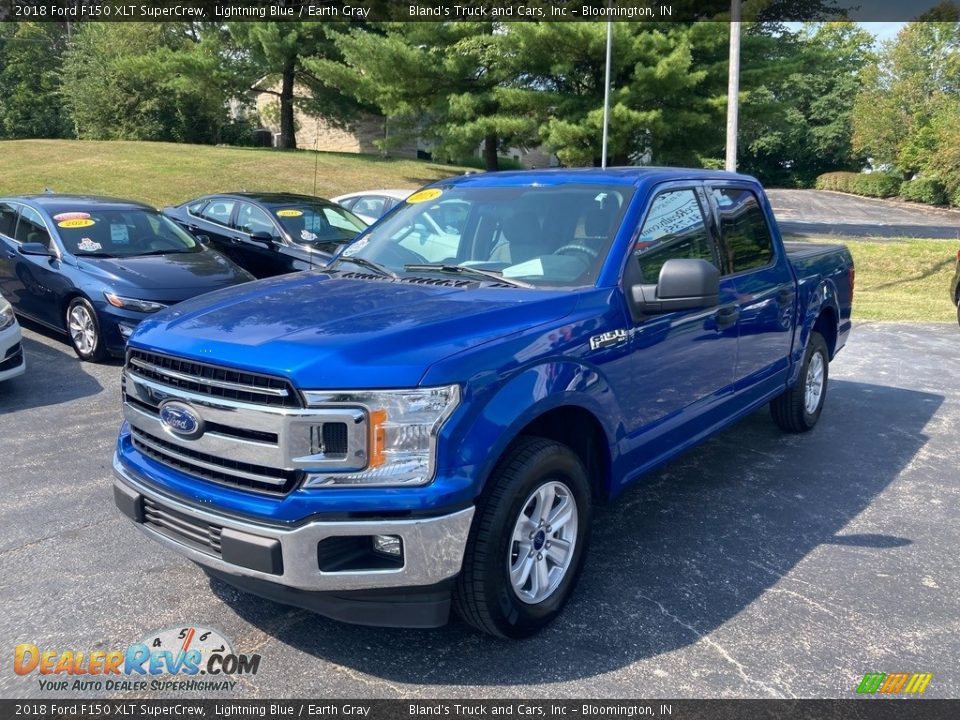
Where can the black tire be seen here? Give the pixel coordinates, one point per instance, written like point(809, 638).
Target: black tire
point(97, 351)
point(789, 410)
point(484, 595)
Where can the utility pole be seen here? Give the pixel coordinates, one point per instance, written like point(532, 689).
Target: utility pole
point(606, 92)
point(733, 87)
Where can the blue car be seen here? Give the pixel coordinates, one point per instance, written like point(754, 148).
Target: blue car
point(94, 267)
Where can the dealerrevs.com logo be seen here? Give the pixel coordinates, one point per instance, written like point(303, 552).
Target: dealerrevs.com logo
point(894, 683)
point(182, 658)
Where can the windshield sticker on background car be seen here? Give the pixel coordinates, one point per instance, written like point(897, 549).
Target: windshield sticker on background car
point(76, 223)
point(425, 195)
point(88, 245)
point(289, 213)
point(71, 216)
point(119, 235)
point(307, 236)
point(356, 247)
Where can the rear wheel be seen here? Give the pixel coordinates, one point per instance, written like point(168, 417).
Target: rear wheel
point(799, 407)
point(84, 330)
point(527, 543)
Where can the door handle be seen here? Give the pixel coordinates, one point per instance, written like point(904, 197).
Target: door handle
point(727, 317)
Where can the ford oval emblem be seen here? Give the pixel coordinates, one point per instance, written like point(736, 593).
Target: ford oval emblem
point(181, 419)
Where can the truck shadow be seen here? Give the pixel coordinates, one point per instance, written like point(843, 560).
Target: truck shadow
point(670, 561)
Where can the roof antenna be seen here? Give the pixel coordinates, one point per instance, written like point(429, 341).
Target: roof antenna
point(49, 191)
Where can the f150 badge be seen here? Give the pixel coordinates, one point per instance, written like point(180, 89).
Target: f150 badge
point(608, 339)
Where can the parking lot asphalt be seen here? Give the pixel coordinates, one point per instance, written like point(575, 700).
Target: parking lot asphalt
point(819, 213)
point(757, 565)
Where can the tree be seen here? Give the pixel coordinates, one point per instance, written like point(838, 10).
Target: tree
point(909, 98)
point(146, 81)
point(796, 115)
point(451, 83)
point(278, 49)
point(31, 54)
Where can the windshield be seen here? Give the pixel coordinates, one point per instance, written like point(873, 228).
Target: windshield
point(318, 224)
point(540, 236)
point(121, 233)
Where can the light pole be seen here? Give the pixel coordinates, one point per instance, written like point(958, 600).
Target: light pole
point(733, 87)
point(606, 93)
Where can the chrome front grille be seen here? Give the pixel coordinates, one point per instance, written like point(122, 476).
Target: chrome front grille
point(216, 469)
point(246, 438)
point(213, 380)
point(196, 533)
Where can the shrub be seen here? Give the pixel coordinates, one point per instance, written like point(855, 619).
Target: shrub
point(878, 185)
point(955, 198)
point(927, 190)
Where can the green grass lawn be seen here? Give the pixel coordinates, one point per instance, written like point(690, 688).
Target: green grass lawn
point(904, 280)
point(168, 173)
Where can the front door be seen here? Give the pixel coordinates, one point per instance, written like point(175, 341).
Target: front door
point(683, 361)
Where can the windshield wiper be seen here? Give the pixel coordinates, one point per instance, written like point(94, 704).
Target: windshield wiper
point(369, 264)
point(466, 269)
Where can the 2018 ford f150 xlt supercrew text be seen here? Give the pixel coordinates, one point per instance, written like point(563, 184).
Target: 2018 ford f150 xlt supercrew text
point(429, 420)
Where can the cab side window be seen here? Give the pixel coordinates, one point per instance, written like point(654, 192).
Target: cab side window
point(674, 228)
point(218, 211)
point(744, 234)
point(30, 228)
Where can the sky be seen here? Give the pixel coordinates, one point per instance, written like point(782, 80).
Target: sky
point(881, 30)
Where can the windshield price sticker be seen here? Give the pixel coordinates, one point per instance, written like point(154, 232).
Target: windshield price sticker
point(76, 223)
point(425, 195)
point(289, 213)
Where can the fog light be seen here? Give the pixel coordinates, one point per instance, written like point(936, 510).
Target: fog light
point(388, 545)
point(125, 330)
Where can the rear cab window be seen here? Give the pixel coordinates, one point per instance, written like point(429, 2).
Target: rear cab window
point(746, 242)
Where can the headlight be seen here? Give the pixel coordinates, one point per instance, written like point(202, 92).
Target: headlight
point(144, 306)
point(6, 314)
point(401, 438)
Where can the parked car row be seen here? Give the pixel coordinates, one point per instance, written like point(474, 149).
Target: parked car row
point(92, 268)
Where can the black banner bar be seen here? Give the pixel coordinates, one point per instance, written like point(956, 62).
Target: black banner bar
point(865, 709)
point(473, 10)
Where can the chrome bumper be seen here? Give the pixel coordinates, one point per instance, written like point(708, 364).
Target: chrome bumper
point(433, 547)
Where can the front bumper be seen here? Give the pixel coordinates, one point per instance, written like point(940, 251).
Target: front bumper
point(287, 556)
point(13, 361)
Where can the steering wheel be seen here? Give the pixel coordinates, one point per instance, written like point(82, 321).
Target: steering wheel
point(162, 243)
point(576, 247)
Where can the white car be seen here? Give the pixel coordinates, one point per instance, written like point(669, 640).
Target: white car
point(12, 360)
point(371, 205)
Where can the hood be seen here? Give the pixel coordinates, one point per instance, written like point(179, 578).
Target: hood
point(325, 332)
point(181, 275)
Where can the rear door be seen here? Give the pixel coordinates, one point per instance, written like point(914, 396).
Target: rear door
point(214, 220)
point(765, 288)
point(683, 361)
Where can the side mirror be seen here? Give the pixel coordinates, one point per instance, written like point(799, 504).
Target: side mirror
point(684, 284)
point(262, 236)
point(203, 239)
point(35, 249)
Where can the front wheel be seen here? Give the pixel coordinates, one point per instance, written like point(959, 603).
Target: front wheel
point(798, 408)
point(84, 329)
point(528, 541)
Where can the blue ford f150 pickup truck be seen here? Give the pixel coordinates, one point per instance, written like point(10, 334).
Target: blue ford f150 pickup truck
point(429, 420)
